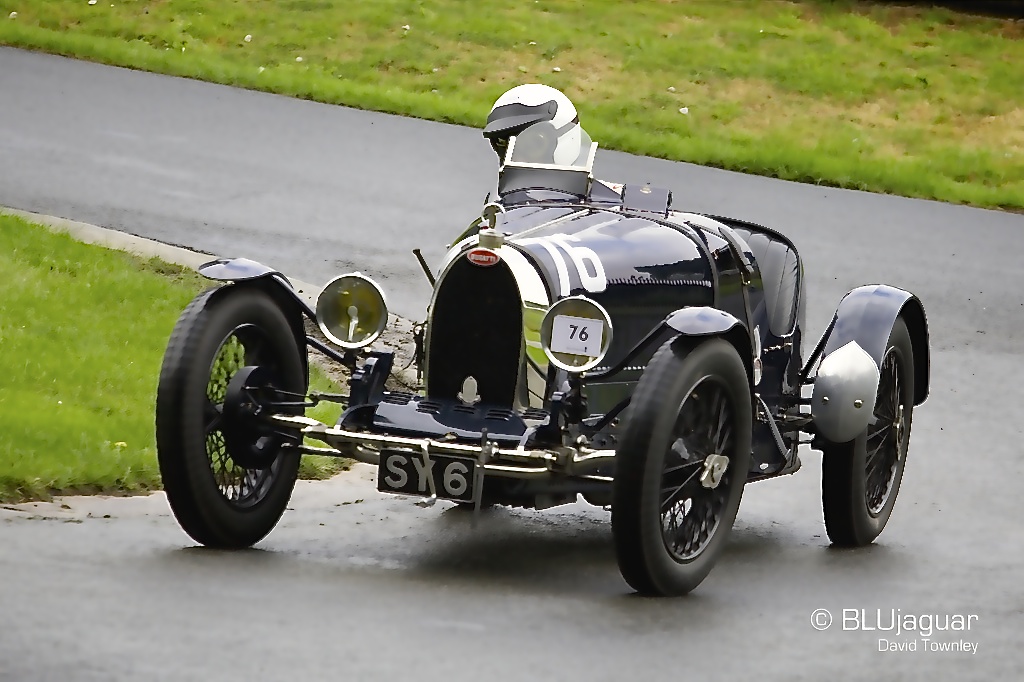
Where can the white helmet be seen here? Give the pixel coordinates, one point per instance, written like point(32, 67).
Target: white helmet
point(526, 105)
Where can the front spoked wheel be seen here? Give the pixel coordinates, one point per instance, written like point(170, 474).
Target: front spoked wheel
point(691, 511)
point(681, 465)
point(226, 473)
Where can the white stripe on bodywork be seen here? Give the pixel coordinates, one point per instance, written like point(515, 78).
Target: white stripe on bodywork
point(531, 286)
point(580, 255)
point(560, 267)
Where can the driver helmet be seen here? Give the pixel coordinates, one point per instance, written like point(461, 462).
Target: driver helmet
point(527, 105)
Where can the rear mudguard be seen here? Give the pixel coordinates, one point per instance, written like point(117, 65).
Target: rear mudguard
point(866, 315)
point(245, 272)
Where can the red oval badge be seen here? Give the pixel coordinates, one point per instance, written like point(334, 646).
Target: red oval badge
point(483, 257)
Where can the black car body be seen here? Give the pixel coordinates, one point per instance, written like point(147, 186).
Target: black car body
point(692, 378)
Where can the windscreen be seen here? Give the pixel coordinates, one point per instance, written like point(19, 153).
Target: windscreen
point(543, 143)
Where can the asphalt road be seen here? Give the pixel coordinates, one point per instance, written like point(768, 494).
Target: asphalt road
point(381, 589)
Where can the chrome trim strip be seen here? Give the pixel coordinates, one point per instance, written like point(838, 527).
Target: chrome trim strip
point(517, 462)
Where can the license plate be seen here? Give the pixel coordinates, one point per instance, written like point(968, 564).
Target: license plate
point(405, 472)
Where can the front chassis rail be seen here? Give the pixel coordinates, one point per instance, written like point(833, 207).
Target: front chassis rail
point(577, 462)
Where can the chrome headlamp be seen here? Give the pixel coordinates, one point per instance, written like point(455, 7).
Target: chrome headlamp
point(576, 333)
point(351, 311)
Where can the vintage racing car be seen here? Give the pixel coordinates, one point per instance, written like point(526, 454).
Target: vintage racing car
point(582, 339)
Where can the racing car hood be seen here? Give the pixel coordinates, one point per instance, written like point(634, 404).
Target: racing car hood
point(638, 268)
point(590, 251)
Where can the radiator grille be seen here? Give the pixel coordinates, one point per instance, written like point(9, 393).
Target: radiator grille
point(476, 329)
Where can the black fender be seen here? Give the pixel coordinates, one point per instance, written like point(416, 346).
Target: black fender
point(237, 270)
point(701, 321)
point(245, 272)
point(866, 315)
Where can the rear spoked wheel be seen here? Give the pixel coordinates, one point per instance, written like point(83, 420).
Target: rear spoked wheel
point(681, 465)
point(225, 471)
point(861, 478)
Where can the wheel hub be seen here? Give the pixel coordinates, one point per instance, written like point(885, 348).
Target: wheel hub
point(249, 441)
point(714, 469)
point(898, 425)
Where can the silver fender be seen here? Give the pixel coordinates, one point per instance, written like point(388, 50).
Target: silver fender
point(844, 393)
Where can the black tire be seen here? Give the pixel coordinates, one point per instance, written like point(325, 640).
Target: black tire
point(668, 430)
point(861, 478)
point(218, 502)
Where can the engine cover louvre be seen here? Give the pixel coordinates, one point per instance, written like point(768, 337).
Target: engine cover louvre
point(476, 329)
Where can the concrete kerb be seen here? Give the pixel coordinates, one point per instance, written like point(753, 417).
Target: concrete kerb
point(101, 236)
point(140, 246)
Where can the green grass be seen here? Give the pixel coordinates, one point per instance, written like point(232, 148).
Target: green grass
point(317, 467)
point(916, 101)
point(82, 335)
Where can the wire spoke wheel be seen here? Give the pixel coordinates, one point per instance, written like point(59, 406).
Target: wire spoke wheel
point(227, 475)
point(884, 438)
point(680, 465)
point(691, 512)
point(241, 486)
point(861, 479)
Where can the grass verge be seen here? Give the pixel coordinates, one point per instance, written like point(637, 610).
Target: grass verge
point(917, 101)
point(82, 335)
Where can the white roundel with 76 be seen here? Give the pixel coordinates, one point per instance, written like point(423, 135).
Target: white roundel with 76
point(577, 335)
